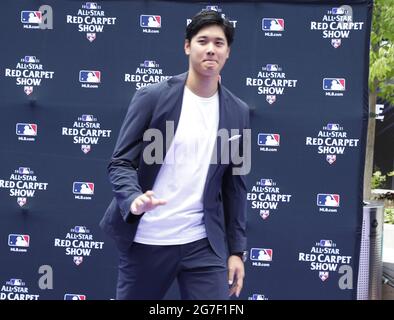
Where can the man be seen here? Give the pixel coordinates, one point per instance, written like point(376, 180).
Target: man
point(183, 219)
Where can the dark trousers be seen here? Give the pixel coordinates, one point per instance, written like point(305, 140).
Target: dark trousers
point(147, 271)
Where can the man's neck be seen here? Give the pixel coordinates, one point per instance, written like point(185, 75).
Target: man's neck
point(202, 86)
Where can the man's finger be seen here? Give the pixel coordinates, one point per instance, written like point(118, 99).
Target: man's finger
point(137, 203)
point(240, 283)
point(133, 208)
point(232, 290)
point(145, 199)
point(230, 276)
point(159, 202)
point(149, 193)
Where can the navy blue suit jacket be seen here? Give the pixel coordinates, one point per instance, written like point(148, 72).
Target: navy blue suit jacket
point(224, 196)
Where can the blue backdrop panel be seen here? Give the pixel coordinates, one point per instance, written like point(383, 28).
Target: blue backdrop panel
point(301, 66)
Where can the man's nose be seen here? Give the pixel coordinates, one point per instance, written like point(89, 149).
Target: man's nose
point(210, 48)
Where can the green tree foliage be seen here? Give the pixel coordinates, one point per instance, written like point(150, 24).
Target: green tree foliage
point(381, 75)
point(381, 72)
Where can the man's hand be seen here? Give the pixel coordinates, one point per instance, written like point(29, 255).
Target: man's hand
point(145, 202)
point(236, 274)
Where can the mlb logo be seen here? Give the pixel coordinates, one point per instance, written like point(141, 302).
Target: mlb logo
point(212, 8)
point(270, 98)
point(30, 59)
point(18, 240)
point(328, 200)
point(83, 188)
point(89, 76)
point(26, 129)
point(336, 43)
point(257, 296)
point(264, 214)
point(23, 170)
point(91, 5)
point(87, 117)
point(273, 24)
point(326, 243)
point(332, 126)
point(21, 201)
point(28, 89)
point(15, 282)
point(272, 67)
point(71, 296)
point(85, 148)
point(149, 64)
point(268, 139)
point(338, 10)
point(80, 229)
point(334, 84)
point(78, 260)
point(150, 21)
point(323, 275)
point(31, 17)
point(266, 182)
point(91, 36)
point(331, 158)
point(260, 254)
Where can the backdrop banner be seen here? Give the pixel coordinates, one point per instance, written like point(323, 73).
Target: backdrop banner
point(68, 72)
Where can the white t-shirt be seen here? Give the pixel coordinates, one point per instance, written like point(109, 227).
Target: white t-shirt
point(182, 176)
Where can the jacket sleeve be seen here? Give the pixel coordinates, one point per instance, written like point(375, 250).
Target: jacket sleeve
point(122, 169)
point(234, 199)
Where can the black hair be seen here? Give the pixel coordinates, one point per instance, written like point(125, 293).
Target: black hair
point(206, 18)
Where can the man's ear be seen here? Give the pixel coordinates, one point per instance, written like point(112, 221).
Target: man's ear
point(187, 47)
point(228, 52)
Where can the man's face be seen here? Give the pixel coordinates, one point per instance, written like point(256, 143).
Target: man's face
point(208, 51)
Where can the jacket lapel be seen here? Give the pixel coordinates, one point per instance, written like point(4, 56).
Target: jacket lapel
point(166, 119)
point(169, 109)
point(224, 127)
